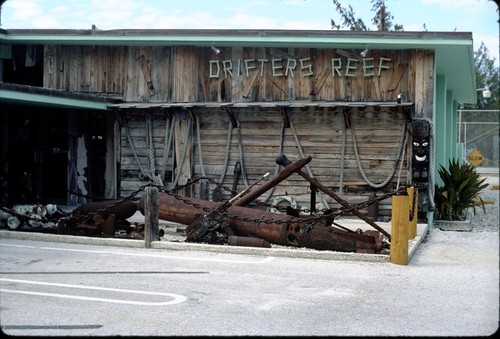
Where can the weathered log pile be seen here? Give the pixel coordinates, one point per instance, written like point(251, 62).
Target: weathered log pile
point(95, 218)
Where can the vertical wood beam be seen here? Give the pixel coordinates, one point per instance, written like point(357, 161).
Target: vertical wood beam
point(151, 214)
point(399, 230)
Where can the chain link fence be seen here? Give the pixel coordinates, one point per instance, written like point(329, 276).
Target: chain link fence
point(478, 130)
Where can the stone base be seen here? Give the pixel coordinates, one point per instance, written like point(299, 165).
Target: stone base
point(455, 225)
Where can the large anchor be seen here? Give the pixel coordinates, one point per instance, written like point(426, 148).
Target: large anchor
point(258, 227)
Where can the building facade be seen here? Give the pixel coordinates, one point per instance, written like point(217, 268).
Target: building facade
point(90, 114)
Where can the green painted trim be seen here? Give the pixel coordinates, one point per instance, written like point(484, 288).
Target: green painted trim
point(232, 40)
point(440, 131)
point(453, 113)
point(7, 96)
point(451, 126)
point(453, 50)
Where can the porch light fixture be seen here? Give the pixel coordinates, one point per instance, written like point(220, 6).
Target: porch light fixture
point(364, 52)
point(486, 92)
point(216, 50)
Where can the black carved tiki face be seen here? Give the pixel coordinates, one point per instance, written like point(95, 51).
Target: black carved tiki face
point(420, 151)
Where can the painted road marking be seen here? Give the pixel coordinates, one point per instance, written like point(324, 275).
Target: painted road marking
point(262, 261)
point(177, 298)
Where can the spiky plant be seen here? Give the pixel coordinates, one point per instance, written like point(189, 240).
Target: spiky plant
point(459, 192)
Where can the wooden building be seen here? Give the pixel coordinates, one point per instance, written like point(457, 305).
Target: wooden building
point(89, 114)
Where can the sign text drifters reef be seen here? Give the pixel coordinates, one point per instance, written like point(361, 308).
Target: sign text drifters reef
point(289, 67)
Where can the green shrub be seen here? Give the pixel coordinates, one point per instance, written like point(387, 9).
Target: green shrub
point(460, 189)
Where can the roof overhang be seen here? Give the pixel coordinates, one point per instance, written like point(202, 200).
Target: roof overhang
point(453, 50)
point(36, 96)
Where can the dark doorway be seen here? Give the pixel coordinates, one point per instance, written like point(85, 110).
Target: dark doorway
point(36, 156)
point(55, 157)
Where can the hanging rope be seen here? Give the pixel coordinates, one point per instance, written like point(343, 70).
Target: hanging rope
point(183, 154)
point(151, 151)
point(226, 155)
point(396, 160)
point(169, 133)
point(198, 141)
point(240, 148)
point(134, 152)
point(277, 167)
point(302, 155)
point(342, 161)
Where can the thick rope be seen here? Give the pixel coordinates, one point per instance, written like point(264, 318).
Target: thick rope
point(198, 141)
point(226, 155)
point(151, 151)
point(342, 161)
point(302, 155)
point(240, 148)
point(134, 152)
point(276, 167)
point(396, 160)
point(169, 133)
point(183, 154)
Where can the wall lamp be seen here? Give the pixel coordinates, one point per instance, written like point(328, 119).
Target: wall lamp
point(486, 91)
point(216, 50)
point(364, 52)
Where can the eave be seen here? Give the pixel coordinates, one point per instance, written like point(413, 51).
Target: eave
point(37, 96)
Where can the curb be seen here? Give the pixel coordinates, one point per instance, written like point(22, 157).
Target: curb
point(303, 253)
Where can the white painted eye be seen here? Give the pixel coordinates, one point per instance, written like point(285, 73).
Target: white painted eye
point(425, 143)
point(416, 144)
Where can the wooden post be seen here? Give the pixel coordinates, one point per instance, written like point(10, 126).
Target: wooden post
point(399, 229)
point(413, 201)
point(151, 216)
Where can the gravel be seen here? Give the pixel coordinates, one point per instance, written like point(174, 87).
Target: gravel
point(489, 219)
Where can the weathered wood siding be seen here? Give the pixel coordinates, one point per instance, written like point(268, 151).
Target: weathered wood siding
point(238, 74)
point(316, 132)
point(98, 69)
point(246, 75)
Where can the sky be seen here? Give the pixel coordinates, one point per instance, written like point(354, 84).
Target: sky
point(477, 16)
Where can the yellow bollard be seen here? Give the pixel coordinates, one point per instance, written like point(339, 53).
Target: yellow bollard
point(413, 202)
point(399, 229)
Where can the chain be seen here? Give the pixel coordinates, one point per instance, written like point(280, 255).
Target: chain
point(413, 204)
point(322, 216)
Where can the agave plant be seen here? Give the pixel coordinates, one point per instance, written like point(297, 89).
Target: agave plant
point(459, 192)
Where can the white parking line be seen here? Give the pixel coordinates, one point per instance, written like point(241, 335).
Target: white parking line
point(262, 261)
point(177, 298)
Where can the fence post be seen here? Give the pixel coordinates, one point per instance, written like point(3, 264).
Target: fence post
point(151, 216)
point(399, 229)
point(413, 201)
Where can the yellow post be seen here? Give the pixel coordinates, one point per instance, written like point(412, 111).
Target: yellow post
point(399, 229)
point(413, 201)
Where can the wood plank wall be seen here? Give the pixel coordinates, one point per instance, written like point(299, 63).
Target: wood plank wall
point(319, 132)
point(183, 74)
